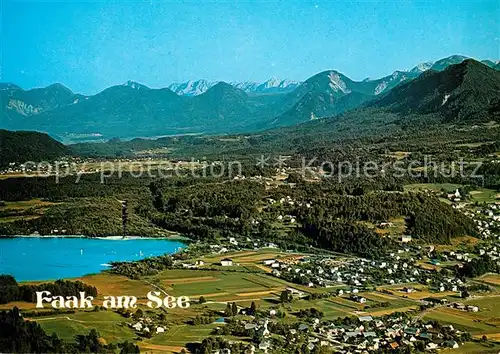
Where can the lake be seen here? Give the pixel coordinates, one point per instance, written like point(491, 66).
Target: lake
point(50, 258)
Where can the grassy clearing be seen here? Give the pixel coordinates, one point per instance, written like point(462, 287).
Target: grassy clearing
point(484, 195)
point(447, 187)
point(18, 218)
point(248, 256)
point(26, 204)
point(348, 304)
point(334, 307)
point(459, 243)
point(397, 228)
point(393, 303)
point(216, 283)
point(331, 310)
point(178, 336)
point(24, 210)
point(159, 349)
point(399, 155)
point(387, 311)
point(110, 325)
point(479, 195)
point(488, 306)
point(192, 280)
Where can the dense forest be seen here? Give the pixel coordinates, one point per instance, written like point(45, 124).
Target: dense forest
point(479, 266)
point(340, 216)
point(22, 146)
point(147, 266)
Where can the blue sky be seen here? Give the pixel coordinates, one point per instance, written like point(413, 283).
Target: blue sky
point(90, 45)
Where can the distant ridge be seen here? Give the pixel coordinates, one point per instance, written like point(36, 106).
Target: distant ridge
point(133, 109)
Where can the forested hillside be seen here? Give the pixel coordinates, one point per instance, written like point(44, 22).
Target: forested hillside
point(328, 215)
point(22, 146)
point(468, 91)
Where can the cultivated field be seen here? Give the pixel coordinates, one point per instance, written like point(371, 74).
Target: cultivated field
point(246, 282)
point(110, 325)
point(485, 322)
point(24, 210)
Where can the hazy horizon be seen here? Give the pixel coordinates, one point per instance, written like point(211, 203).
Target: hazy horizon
point(89, 46)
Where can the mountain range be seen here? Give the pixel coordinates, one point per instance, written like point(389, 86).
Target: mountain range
point(461, 96)
point(273, 85)
point(133, 109)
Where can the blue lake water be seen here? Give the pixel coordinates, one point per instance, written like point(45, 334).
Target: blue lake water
point(50, 258)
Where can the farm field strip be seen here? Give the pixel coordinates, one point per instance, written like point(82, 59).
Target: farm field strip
point(155, 348)
point(191, 280)
point(387, 311)
point(493, 279)
point(262, 267)
point(255, 258)
point(462, 322)
point(392, 300)
point(346, 303)
point(421, 294)
point(257, 293)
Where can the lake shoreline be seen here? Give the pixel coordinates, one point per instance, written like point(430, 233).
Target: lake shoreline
point(110, 238)
point(39, 258)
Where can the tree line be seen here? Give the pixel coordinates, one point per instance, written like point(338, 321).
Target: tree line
point(10, 290)
point(20, 336)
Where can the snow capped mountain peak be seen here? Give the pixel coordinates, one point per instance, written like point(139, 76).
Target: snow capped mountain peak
point(194, 88)
point(420, 68)
point(388, 82)
point(337, 83)
point(397, 74)
point(134, 85)
point(275, 84)
point(191, 87)
point(457, 57)
point(272, 82)
point(247, 86)
point(286, 83)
